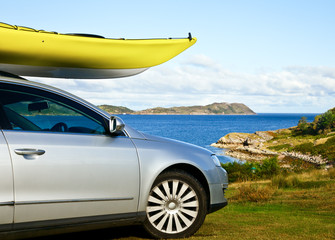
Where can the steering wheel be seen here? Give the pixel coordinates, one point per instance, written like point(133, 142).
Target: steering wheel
point(60, 127)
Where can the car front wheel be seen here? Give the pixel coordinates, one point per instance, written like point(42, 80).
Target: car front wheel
point(177, 206)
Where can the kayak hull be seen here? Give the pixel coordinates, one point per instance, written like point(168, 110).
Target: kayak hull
point(64, 72)
point(49, 54)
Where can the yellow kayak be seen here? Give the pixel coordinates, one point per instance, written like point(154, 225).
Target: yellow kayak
point(29, 52)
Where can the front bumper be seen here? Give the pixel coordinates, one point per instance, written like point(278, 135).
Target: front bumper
point(217, 191)
point(217, 206)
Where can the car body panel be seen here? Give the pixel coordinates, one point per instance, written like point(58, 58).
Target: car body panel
point(79, 175)
point(6, 184)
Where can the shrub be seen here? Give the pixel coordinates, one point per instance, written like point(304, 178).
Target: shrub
point(254, 193)
point(326, 121)
point(323, 123)
point(268, 168)
point(239, 171)
point(281, 181)
point(326, 150)
point(304, 148)
point(251, 171)
point(331, 173)
point(280, 147)
point(299, 165)
point(303, 127)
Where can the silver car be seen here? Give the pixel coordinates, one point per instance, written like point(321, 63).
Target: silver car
point(66, 165)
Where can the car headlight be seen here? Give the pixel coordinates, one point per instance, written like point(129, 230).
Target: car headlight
point(216, 160)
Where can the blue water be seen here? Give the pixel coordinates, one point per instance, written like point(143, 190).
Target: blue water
point(204, 130)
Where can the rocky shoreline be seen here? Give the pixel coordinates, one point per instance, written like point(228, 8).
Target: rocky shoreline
point(254, 147)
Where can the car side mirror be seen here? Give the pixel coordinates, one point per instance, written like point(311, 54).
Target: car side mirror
point(116, 125)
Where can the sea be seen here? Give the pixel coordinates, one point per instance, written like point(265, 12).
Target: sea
point(203, 130)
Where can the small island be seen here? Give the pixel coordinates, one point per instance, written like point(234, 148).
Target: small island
point(211, 109)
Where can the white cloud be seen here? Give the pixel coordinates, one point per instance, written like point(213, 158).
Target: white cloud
point(201, 81)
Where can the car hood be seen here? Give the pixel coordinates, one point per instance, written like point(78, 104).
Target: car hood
point(176, 142)
point(135, 134)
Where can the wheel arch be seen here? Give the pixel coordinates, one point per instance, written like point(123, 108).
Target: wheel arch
point(178, 225)
point(195, 172)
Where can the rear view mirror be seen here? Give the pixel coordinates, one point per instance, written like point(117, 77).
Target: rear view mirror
point(38, 106)
point(116, 125)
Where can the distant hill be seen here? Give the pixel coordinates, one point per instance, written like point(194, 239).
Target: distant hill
point(211, 109)
point(116, 109)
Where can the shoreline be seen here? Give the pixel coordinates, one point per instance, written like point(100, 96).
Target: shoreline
point(254, 147)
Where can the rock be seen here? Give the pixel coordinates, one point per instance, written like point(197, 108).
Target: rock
point(252, 141)
point(245, 139)
point(318, 160)
point(267, 136)
point(231, 140)
point(320, 141)
point(249, 153)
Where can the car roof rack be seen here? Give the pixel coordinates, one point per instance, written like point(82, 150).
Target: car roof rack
point(11, 75)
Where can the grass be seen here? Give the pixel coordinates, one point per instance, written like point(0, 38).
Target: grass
point(304, 210)
point(287, 140)
point(303, 207)
point(253, 193)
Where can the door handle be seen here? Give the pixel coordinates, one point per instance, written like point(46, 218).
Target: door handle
point(29, 153)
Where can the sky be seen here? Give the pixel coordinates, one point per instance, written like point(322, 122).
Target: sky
point(273, 56)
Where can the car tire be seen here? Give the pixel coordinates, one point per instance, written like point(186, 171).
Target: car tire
point(176, 207)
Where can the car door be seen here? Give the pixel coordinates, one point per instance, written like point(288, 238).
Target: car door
point(65, 163)
point(6, 186)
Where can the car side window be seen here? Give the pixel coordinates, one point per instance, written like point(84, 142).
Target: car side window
point(32, 112)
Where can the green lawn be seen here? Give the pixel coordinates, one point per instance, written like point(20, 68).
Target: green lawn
point(305, 211)
point(268, 221)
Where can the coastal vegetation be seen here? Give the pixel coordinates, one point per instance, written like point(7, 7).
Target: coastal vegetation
point(322, 124)
point(211, 109)
point(250, 171)
point(306, 146)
